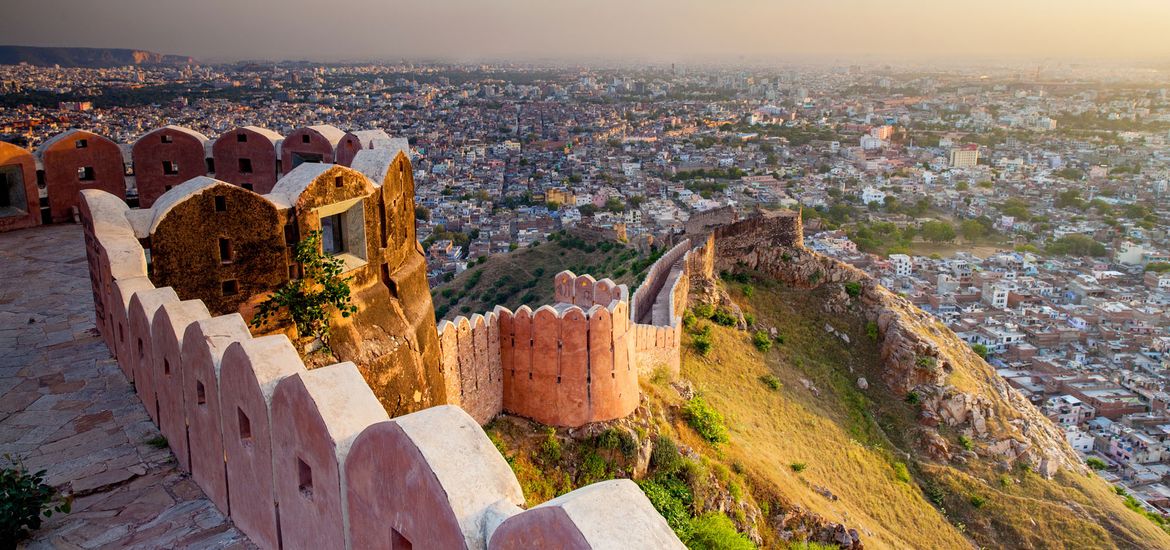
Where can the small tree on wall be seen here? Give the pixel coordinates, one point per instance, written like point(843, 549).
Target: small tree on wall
point(312, 298)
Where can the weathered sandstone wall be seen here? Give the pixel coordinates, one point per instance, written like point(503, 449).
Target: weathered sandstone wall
point(261, 434)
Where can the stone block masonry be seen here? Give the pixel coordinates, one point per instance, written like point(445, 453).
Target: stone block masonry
point(310, 459)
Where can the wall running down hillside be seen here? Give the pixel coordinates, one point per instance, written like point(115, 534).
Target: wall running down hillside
point(304, 458)
point(576, 361)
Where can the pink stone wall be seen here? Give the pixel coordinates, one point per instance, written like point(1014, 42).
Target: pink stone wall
point(143, 306)
point(249, 374)
point(167, 331)
point(204, 343)
point(309, 459)
point(183, 150)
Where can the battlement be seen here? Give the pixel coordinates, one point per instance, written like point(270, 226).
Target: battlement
point(259, 432)
point(249, 157)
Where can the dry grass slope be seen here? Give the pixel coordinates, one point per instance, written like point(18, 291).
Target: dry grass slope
point(852, 442)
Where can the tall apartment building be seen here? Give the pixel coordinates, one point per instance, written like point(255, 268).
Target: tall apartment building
point(966, 156)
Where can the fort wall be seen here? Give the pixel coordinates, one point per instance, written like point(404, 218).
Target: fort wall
point(260, 433)
point(250, 157)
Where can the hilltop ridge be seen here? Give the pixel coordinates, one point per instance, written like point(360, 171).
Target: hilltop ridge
point(93, 58)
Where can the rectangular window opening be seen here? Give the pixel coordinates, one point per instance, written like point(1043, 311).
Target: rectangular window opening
point(210, 166)
point(304, 478)
point(337, 181)
point(242, 138)
point(248, 186)
point(304, 138)
point(85, 173)
point(200, 393)
point(166, 138)
point(81, 144)
point(170, 168)
point(166, 366)
point(245, 426)
point(225, 250)
point(230, 287)
point(245, 166)
point(332, 238)
point(220, 203)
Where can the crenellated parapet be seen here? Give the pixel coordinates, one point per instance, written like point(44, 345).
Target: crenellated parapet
point(249, 157)
point(302, 458)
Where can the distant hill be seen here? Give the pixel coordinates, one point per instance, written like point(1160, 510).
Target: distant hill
point(86, 57)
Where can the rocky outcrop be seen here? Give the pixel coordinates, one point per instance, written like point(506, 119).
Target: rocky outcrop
point(922, 361)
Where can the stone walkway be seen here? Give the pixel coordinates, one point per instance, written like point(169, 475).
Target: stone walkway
point(66, 407)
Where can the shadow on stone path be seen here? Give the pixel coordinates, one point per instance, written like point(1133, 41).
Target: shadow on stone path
point(66, 407)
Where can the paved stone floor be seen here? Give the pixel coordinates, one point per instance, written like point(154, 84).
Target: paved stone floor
point(66, 407)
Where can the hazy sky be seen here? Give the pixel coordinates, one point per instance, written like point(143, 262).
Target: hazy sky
point(641, 30)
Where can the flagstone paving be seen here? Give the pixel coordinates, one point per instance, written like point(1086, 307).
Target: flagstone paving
point(66, 407)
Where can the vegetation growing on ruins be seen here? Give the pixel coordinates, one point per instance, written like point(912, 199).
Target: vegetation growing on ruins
point(313, 298)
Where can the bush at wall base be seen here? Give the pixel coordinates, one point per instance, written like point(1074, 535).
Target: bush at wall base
point(25, 501)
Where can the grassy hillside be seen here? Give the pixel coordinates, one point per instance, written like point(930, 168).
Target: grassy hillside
point(853, 443)
point(770, 442)
point(525, 276)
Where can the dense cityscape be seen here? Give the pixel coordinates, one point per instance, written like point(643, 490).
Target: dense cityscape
point(1025, 207)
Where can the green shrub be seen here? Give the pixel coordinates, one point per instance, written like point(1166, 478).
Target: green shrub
point(593, 469)
point(798, 466)
point(749, 319)
point(702, 342)
point(748, 291)
point(853, 289)
point(724, 318)
point(966, 443)
point(613, 438)
point(672, 500)
point(901, 472)
point(980, 350)
point(815, 277)
point(1096, 463)
point(310, 300)
point(926, 362)
point(550, 449)
point(779, 339)
point(665, 457)
point(935, 494)
point(871, 330)
point(913, 398)
point(25, 501)
point(770, 381)
point(977, 501)
point(705, 420)
point(689, 320)
point(714, 531)
point(158, 442)
point(703, 311)
point(762, 341)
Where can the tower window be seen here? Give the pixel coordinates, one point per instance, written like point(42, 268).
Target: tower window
point(248, 186)
point(245, 166)
point(170, 168)
point(166, 138)
point(166, 366)
point(81, 144)
point(220, 203)
point(242, 137)
point(245, 425)
point(85, 173)
point(304, 478)
point(200, 393)
point(230, 287)
point(337, 182)
point(225, 250)
point(305, 138)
